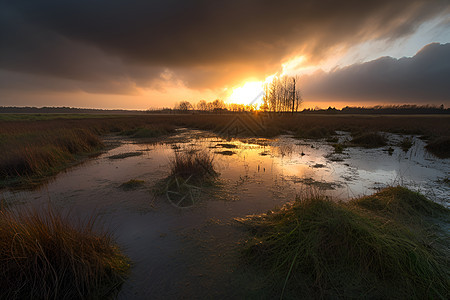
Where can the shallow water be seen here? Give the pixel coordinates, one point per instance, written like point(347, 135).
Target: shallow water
point(191, 252)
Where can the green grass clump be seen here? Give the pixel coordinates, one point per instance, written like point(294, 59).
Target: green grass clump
point(44, 255)
point(440, 147)
point(338, 148)
point(322, 249)
point(132, 184)
point(369, 140)
point(402, 204)
point(194, 164)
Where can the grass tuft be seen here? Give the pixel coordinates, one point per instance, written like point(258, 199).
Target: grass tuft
point(315, 133)
point(369, 140)
point(405, 144)
point(125, 155)
point(45, 255)
point(195, 164)
point(440, 147)
point(132, 184)
point(317, 248)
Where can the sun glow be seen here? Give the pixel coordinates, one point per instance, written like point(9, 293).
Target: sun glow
point(251, 93)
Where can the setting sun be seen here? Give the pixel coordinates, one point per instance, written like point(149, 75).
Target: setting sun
point(248, 94)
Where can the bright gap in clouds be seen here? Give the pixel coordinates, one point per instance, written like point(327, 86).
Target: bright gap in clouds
point(251, 93)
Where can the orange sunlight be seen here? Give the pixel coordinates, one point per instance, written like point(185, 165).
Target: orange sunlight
point(251, 93)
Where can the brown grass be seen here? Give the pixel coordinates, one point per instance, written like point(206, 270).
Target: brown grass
point(195, 164)
point(45, 255)
point(440, 147)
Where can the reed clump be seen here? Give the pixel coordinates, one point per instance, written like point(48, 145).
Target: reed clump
point(440, 147)
point(318, 248)
point(369, 140)
point(194, 164)
point(45, 255)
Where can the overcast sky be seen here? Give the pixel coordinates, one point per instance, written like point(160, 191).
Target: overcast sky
point(139, 54)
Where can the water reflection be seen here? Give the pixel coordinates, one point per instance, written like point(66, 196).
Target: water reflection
point(192, 252)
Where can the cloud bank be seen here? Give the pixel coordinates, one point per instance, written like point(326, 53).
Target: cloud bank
point(118, 47)
point(423, 78)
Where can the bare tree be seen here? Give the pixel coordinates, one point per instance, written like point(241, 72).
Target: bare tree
point(184, 106)
point(202, 105)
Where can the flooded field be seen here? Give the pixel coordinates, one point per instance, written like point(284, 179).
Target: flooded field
point(181, 236)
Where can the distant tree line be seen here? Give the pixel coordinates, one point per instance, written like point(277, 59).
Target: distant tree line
point(406, 109)
point(63, 110)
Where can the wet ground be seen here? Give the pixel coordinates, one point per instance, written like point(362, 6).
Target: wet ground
point(190, 249)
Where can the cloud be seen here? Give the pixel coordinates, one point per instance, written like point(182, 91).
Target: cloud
point(423, 78)
point(206, 44)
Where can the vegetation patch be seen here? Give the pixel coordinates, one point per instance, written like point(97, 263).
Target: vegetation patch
point(314, 133)
point(43, 255)
point(153, 131)
point(225, 152)
point(192, 164)
point(369, 140)
point(405, 144)
point(228, 146)
point(125, 155)
point(440, 147)
point(26, 157)
point(318, 248)
point(338, 148)
point(132, 184)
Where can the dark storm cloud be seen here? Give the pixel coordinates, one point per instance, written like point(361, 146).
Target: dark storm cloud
point(424, 78)
point(206, 43)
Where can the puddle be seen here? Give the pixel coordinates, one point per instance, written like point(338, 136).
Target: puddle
point(192, 252)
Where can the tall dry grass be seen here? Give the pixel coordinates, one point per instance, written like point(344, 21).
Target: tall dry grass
point(45, 255)
point(192, 164)
point(32, 150)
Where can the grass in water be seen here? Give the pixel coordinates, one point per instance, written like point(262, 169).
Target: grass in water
point(132, 184)
point(369, 140)
point(125, 155)
point(440, 147)
point(195, 164)
point(367, 248)
point(405, 144)
point(44, 255)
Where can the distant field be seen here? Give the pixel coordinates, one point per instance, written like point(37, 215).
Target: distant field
point(40, 117)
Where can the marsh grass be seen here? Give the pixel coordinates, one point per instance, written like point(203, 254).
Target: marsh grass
point(369, 140)
point(440, 147)
point(338, 148)
point(315, 133)
point(46, 255)
point(125, 155)
point(44, 153)
point(406, 144)
point(195, 164)
point(150, 131)
point(132, 184)
point(38, 147)
point(318, 248)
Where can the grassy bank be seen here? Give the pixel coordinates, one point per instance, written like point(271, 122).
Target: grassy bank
point(45, 255)
point(33, 150)
point(384, 246)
